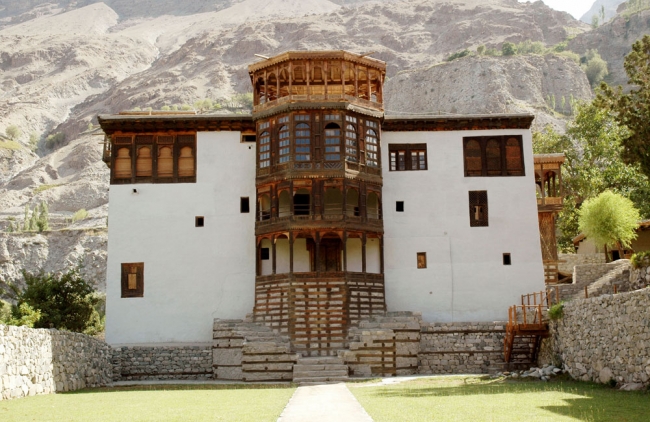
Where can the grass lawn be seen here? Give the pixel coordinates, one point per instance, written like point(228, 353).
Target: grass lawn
point(162, 403)
point(480, 399)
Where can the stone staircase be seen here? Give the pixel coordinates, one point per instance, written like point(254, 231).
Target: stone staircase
point(251, 352)
point(617, 272)
point(320, 370)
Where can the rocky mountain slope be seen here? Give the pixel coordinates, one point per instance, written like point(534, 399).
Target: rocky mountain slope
point(610, 7)
point(63, 62)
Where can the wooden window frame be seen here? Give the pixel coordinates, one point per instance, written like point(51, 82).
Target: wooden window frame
point(136, 268)
point(155, 141)
point(478, 198)
point(408, 150)
point(483, 141)
point(421, 260)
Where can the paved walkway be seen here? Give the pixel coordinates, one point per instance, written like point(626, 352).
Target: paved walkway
point(324, 403)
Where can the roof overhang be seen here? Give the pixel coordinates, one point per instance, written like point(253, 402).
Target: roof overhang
point(139, 123)
point(397, 123)
point(318, 55)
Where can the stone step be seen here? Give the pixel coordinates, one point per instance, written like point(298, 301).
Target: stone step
point(336, 367)
point(320, 360)
point(319, 380)
point(320, 374)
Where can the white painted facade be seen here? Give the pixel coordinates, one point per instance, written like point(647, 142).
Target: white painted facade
point(465, 279)
point(193, 275)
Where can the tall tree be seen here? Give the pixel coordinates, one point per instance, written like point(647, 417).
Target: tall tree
point(633, 109)
point(610, 220)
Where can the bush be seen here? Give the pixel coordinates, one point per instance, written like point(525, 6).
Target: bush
point(64, 302)
point(459, 54)
point(640, 259)
point(5, 312)
point(508, 49)
point(82, 214)
point(556, 311)
point(595, 67)
point(13, 132)
point(54, 140)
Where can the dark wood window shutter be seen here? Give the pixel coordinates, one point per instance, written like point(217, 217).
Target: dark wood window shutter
point(133, 279)
point(478, 208)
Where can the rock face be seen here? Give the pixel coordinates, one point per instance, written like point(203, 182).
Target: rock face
point(55, 252)
point(610, 7)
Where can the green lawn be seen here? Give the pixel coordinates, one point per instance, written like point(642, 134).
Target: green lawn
point(479, 399)
point(167, 403)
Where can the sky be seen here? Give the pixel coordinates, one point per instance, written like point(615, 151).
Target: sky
point(576, 7)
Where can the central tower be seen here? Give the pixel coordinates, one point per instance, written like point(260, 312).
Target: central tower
point(319, 227)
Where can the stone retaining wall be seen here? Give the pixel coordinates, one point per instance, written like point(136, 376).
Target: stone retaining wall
point(187, 362)
point(640, 277)
point(569, 260)
point(47, 361)
point(461, 348)
point(603, 339)
point(587, 274)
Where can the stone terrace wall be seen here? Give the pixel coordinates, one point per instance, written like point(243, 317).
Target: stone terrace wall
point(587, 274)
point(188, 362)
point(47, 361)
point(570, 260)
point(603, 338)
point(461, 348)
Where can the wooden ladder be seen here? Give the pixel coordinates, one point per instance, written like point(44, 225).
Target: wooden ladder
point(525, 330)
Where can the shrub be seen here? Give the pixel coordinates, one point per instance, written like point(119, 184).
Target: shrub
point(5, 312)
point(508, 49)
point(640, 259)
point(595, 67)
point(82, 214)
point(64, 302)
point(480, 49)
point(13, 132)
point(54, 140)
point(458, 55)
point(556, 311)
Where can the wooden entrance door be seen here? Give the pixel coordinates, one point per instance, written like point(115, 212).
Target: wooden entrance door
point(330, 255)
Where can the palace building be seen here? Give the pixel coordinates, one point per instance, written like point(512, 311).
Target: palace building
point(316, 212)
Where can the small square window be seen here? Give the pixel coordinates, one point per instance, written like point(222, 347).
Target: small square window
point(422, 259)
point(244, 205)
point(199, 221)
point(249, 138)
point(399, 206)
point(506, 259)
point(264, 254)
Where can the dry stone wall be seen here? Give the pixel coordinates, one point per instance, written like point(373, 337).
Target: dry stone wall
point(603, 339)
point(567, 261)
point(461, 348)
point(47, 361)
point(137, 363)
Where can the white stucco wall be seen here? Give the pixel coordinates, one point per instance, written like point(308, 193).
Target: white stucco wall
point(191, 275)
point(465, 279)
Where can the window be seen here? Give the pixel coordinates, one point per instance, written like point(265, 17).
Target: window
point(265, 254)
point(248, 138)
point(154, 159)
point(506, 259)
point(399, 206)
point(493, 156)
point(284, 144)
point(199, 221)
point(372, 148)
point(350, 143)
point(302, 141)
point(422, 260)
point(332, 142)
point(405, 157)
point(133, 280)
point(244, 205)
point(478, 208)
point(265, 150)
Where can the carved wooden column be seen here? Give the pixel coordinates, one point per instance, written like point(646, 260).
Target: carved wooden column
point(291, 239)
point(363, 252)
point(273, 248)
point(345, 251)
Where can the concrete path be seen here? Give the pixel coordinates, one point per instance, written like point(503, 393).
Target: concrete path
point(324, 403)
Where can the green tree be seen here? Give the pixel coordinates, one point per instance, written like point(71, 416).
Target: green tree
point(595, 21)
point(480, 49)
point(595, 67)
point(65, 302)
point(13, 132)
point(632, 110)
point(592, 146)
point(508, 49)
point(43, 220)
point(610, 220)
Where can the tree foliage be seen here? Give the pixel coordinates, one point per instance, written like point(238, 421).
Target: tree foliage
point(65, 301)
point(592, 146)
point(595, 67)
point(633, 109)
point(609, 219)
point(508, 49)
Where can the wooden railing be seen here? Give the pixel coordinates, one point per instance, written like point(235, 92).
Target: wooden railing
point(547, 298)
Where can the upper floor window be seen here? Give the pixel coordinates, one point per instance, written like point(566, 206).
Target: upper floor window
point(350, 143)
point(284, 142)
point(154, 159)
point(372, 148)
point(405, 157)
point(332, 142)
point(493, 156)
point(302, 142)
point(265, 150)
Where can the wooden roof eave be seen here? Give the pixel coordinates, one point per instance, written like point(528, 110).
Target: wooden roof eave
point(318, 55)
point(175, 123)
point(458, 122)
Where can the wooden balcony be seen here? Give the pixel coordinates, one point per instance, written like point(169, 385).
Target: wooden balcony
point(332, 98)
